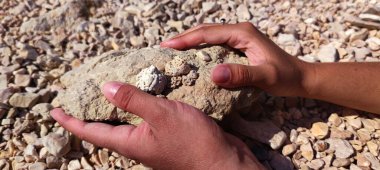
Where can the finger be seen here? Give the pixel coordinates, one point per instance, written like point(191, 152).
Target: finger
point(234, 35)
point(96, 133)
point(129, 98)
point(189, 30)
point(198, 27)
point(236, 75)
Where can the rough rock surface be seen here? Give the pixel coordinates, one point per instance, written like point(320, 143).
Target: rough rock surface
point(65, 16)
point(83, 98)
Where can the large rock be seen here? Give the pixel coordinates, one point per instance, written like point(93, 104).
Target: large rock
point(327, 54)
point(56, 144)
point(187, 76)
point(289, 43)
point(24, 100)
point(66, 16)
point(342, 148)
point(319, 130)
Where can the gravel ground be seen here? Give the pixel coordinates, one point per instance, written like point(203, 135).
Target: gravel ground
point(41, 40)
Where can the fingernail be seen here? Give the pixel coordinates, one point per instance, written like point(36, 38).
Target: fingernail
point(109, 89)
point(221, 74)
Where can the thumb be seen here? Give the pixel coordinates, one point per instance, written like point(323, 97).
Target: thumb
point(236, 75)
point(129, 98)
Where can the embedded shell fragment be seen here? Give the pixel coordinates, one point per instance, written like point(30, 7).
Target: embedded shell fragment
point(83, 99)
point(203, 56)
point(177, 67)
point(151, 80)
point(190, 78)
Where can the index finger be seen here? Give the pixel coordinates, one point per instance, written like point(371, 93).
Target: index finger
point(96, 133)
point(194, 28)
point(235, 35)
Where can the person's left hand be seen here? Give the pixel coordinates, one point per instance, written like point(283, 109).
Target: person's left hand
point(173, 135)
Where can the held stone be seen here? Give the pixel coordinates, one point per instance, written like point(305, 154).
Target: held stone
point(83, 99)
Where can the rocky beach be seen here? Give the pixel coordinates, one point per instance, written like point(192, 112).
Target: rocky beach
point(42, 40)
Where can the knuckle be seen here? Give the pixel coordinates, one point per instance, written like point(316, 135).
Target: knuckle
point(243, 75)
point(273, 73)
point(125, 95)
point(164, 111)
point(184, 112)
point(181, 107)
point(204, 30)
point(247, 25)
point(177, 106)
point(200, 26)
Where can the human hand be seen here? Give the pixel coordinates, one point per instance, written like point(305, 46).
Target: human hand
point(272, 69)
point(173, 135)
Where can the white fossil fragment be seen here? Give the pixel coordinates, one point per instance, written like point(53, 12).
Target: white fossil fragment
point(204, 56)
point(151, 80)
point(177, 67)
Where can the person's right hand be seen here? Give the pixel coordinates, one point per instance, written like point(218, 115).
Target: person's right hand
point(272, 69)
point(173, 135)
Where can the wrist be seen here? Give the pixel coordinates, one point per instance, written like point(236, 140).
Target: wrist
point(240, 158)
point(309, 79)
